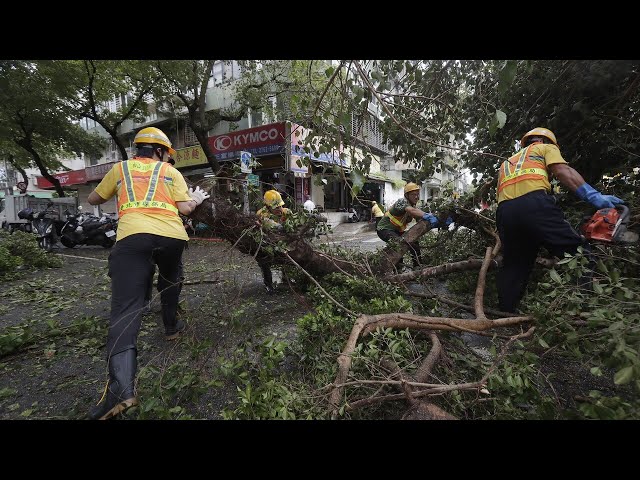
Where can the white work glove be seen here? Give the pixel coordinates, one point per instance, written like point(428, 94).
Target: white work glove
point(198, 195)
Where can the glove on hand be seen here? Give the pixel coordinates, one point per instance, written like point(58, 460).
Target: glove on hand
point(448, 221)
point(432, 219)
point(589, 194)
point(198, 195)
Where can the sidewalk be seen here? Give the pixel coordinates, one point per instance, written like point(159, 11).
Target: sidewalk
point(358, 236)
point(350, 229)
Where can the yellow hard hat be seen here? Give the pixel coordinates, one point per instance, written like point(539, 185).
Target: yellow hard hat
point(540, 132)
point(154, 135)
point(410, 187)
point(273, 199)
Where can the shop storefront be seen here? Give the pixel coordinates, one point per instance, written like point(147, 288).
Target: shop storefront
point(265, 143)
point(95, 174)
point(321, 176)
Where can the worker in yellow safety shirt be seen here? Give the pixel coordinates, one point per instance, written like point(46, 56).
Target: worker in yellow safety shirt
point(402, 212)
point(527, 215)
point(272, 215)
point(376, 212)
point(150, 194)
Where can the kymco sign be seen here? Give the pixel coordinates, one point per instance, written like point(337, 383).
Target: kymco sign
point(251, 138)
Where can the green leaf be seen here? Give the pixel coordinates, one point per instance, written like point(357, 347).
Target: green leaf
point(7, 392)
point(597, 288)
point(615, 275)
point(623, 376)
point(555, 277)
point(543, 343)
point(345, 119)
point(501, 118)
point(358, 180)
point(507, 75)
point(596, 371)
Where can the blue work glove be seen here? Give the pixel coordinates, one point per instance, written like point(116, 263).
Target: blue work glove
point(589, 194)
point(432, 219)
point(448, 221)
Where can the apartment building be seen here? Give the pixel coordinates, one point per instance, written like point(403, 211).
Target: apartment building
point(278, 154)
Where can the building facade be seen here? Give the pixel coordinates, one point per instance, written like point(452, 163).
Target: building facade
point(275, 145)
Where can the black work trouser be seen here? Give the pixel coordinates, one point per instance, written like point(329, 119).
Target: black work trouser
point(131, 266)
point(149, 295)
point(267, 277)
point(524, 224)
point(395, 236)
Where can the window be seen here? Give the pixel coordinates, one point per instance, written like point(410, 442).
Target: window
point(255, 119)
point(227, 71)
point(224, 71)
point(237, 70)
point(189, 136)
point(125, 100)
point(112, 151)
point(216, 74)
point(333, 193)
point(366, 129)
point(153, 114)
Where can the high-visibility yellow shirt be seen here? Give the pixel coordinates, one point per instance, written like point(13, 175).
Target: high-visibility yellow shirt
point(396, 218)
point(271, 219)
point(545, 154)
point(143, 222)
point(376, 211)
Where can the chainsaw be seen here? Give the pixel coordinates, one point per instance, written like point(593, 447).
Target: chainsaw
point(609, 225)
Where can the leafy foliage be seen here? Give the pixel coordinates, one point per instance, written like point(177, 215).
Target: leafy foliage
point(35, 117)
point(20, 248)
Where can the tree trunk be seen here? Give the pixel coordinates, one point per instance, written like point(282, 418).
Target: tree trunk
point(243, 231)
point(26, 144)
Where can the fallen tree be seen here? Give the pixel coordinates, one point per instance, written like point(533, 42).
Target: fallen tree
point(290, 247)
point(243, 231)
point(367, 323)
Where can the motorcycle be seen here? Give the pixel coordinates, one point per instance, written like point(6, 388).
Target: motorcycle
point(87, 229)
point(44, 225)
point(353, 215)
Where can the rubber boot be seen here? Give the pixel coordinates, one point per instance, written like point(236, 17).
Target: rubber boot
point(119, 394)
point(173, 325)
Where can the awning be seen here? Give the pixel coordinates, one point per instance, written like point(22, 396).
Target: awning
point(378, 177)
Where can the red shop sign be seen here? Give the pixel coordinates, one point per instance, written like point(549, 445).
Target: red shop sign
point(74, 177)
point(271, 134)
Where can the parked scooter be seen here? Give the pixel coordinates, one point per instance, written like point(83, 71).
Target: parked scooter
point(44, 225)
point(87, 229)
point(353, 215)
